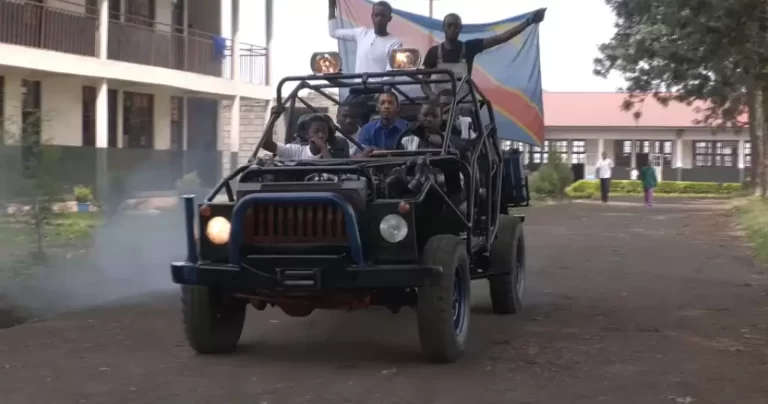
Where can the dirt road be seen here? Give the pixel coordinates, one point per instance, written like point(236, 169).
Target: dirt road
point(625, 304)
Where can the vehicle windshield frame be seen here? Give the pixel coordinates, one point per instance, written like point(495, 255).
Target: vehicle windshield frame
point(377, 82)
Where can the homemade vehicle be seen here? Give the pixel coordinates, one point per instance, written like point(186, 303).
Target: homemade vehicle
point(396, 228)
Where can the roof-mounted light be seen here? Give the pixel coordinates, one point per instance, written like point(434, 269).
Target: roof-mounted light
point(325, 62)
point(405, 59)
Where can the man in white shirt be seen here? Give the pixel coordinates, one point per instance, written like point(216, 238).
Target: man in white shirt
point(373, 45)
point(603, 173)
point(318, 132)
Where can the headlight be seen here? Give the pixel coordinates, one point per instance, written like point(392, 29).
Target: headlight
point(217, 230)
point(393, 228)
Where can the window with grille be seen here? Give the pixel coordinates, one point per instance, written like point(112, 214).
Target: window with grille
point(663, 148)
point(140, 12)
point(702, 154)
point(177, 123)
point(747, 154)
point(578, 151)
point(31, 127)
point(540, 155)
point(89, 116)
point(715, 154)
point(138, 120)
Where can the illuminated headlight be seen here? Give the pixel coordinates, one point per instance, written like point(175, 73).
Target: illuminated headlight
point(217, 230)
point(393, 228)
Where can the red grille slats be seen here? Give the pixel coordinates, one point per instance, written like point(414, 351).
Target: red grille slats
point(297, 223)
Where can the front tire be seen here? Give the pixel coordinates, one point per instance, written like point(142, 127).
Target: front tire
point(507, 256)
point(213, 321)
point(443, 309)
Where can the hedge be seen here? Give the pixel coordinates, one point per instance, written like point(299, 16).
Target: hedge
point(590, 188)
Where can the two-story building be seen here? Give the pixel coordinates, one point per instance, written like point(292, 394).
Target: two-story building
point(145, 81)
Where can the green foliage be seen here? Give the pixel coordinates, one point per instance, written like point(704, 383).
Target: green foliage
point(83, 194)
point(552, 178)
point(189, 184)
point(688, 50)
point(752, 214)
point(585, 189)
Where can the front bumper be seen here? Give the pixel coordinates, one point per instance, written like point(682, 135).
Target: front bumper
point(280, 273)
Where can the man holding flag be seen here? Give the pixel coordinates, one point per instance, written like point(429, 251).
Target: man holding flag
point(459, 56)
point(373, 45)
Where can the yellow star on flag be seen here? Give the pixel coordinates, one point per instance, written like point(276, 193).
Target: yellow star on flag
point(499, 28)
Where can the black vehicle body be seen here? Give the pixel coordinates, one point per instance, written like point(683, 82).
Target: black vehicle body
point(306, 234)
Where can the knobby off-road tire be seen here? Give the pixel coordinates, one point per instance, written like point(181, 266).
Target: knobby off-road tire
point(213, 321)
point(507, 254)
point(443, 326)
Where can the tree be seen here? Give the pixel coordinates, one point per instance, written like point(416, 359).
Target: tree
point(712, 51)
point(31, 173)
point(552, 178)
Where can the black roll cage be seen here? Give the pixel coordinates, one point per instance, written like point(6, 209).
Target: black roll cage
point(486, 139)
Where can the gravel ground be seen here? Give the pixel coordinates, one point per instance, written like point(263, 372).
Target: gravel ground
point(624, 304)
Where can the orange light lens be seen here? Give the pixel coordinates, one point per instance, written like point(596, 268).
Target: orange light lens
point(205, 211)
point(404, 207)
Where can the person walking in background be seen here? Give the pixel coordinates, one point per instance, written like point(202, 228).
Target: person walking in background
point(648, 178)
point(603, 173)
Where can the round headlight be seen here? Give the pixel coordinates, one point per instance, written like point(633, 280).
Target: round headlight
point(393, 228)
point(217, 230)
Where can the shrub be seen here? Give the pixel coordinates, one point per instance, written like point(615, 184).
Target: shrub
point(584, 189)
point(83, 194)
point(552, 178)
point(189, 184)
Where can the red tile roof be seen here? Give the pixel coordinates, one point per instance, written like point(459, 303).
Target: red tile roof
point(604, 110)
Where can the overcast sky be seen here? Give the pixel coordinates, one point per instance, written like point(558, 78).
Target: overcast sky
point(570, 33)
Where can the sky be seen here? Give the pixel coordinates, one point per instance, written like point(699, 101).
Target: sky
point(569, 35)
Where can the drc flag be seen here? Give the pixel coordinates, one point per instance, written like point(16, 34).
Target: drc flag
point(509, 75)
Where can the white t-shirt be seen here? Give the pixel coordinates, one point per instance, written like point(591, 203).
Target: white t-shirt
point(603, 168)
point(294, 152)
point(352, 148)
point(466, 132)
point(372, 50)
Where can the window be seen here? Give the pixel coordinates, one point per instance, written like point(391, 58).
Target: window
point(177, 123)
point(92, 8)
point(717, 154)
point(115, 9)
point(539, 155)
point(664, 149)
point(578, 151)
point(31, 126)
point(747, 154)
point(177, 12)
point(140, 12)
point(623, 155)
point(138, 120)
point(89, 116)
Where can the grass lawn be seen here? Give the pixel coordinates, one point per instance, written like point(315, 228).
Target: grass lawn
point(64, 234)
point(752, 214)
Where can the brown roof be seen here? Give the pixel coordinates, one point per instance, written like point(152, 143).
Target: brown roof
point(604, 110)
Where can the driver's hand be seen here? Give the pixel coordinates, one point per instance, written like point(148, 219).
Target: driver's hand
point(319, 143)
point(368, 150)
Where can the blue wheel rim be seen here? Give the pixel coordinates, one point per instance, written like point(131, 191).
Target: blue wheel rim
point(459, 302)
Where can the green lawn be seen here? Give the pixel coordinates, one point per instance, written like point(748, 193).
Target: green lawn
point(752, 214)
point(65, 233)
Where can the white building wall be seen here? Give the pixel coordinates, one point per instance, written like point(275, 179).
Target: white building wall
point(61, 102)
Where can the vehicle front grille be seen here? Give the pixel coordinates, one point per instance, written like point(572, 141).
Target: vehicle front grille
point(295, 223)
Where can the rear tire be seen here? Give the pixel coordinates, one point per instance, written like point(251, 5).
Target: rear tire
point(213, 321)
point(507, 255)
point(444, 301)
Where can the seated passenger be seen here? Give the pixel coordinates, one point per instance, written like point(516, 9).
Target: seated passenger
point(384, 132)
point(348, 117)
point(427, 133)
point(317, 134)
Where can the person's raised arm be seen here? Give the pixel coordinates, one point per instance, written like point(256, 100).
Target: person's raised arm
point(343, 34)
point(506, 36)
point(430, 62)
point(269, 143)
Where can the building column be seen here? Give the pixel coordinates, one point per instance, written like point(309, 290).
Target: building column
point(600, 149)
point(234, 134)
point(103, 25)
point(679, 154)
point(741, 160)
point(102, 138)
point(269, 15)
point(236, 41)
point(633, 155)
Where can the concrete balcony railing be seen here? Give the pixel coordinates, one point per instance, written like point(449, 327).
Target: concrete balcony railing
point(40, 26)
point(73, 28)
